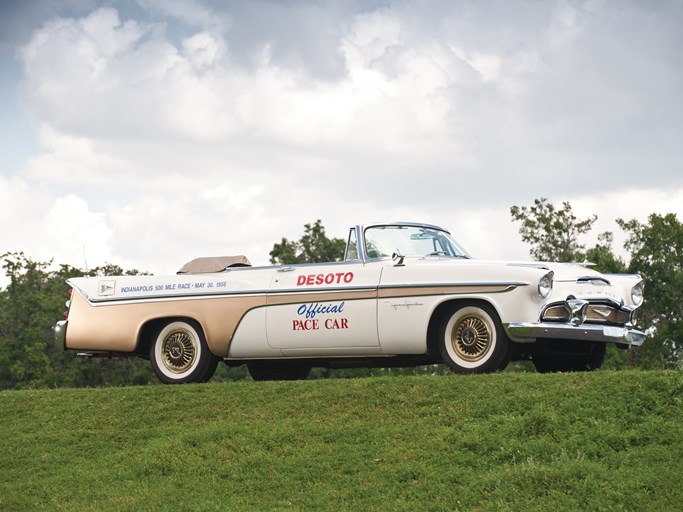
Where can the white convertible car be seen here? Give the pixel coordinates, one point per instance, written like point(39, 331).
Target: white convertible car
point(405, 294)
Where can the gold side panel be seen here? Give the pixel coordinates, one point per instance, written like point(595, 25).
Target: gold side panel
point(117, 326)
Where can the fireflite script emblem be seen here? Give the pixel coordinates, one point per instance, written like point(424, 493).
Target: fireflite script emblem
point(406, 305)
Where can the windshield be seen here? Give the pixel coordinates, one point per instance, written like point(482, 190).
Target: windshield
point(382, 241)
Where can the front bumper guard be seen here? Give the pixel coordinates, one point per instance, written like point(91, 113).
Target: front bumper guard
point(529, 332)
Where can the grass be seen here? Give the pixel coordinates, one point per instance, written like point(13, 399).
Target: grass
point(600, 441)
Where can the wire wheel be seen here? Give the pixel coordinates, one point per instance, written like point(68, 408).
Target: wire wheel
point(179, 353)
point(179, 350)
point(471, 337)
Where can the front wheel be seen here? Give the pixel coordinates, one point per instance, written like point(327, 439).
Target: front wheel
point(278, 371)
point(179, 354)
point(568, 356)
point(472, 339)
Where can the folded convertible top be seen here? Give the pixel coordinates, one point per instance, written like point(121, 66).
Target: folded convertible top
point(213, 264)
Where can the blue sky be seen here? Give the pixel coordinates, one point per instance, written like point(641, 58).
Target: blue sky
point(16, 130)
point(150, 132)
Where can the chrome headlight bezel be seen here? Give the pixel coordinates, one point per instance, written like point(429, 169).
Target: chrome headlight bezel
point(637, 293)
point(545, 285)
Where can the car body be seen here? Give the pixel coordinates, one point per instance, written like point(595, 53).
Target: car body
point(404, 294)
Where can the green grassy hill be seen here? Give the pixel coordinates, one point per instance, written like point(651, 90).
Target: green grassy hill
point(600, 441)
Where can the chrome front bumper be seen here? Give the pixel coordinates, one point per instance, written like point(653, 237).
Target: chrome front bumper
point(529, 332)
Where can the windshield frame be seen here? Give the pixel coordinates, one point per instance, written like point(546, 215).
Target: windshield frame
point(443, 237)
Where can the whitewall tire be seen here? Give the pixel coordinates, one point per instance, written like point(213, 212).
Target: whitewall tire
point(179, 354)
point(472, 339)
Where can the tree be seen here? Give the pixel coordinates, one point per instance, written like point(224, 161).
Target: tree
point(657, 255)
point(312, 247)
point(29, 307)
point(603, 258)
point(553, 233)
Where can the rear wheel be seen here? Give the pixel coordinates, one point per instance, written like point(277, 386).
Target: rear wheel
point(278, 371)
point(568, 356)
point(179, 354)
point(472, 339)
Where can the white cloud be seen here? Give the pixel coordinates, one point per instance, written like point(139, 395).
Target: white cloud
point(72, 161)
point(46, 227)
point(159, 148)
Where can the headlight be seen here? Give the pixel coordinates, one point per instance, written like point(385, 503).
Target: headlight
point(545, 285)
point(637, 293)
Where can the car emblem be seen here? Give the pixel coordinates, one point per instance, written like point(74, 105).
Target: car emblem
point(604, 313)
point(106, 288)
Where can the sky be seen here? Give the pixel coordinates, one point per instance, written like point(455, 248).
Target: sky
point(145, 133)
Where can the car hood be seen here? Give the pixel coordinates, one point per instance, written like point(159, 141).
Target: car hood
point(563, 272)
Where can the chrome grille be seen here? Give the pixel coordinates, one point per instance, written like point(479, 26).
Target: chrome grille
point(602, 313)
point(558, 313)
point(597, 312)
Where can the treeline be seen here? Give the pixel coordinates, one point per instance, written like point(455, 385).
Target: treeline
point(29, 307)
point(36, 294)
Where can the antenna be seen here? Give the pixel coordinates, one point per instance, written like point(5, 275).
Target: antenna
point(85, 258)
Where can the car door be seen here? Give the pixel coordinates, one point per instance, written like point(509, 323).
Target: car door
point(324, 309)
point(406, 299)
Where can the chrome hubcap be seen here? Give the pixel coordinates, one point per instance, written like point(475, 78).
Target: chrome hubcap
point(471, 338)
point(179, 351)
